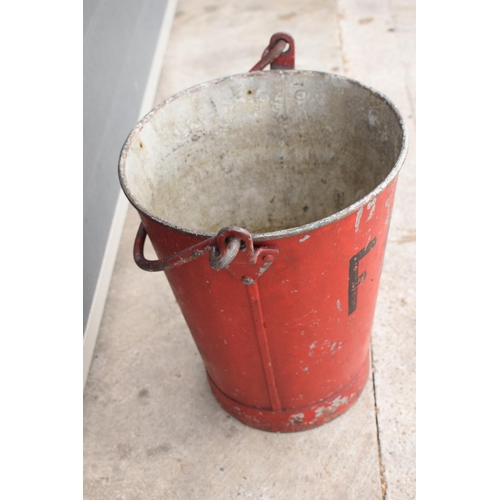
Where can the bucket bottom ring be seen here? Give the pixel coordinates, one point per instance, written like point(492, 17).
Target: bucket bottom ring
point(297, 419)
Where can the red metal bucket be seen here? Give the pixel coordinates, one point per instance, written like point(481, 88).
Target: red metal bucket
point(299, 169)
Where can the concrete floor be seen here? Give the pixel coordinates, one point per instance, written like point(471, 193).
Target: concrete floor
point(152, 429)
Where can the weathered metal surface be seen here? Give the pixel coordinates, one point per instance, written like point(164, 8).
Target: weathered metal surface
point(251, 264)
point(276, 55)
point(307, 163)
point(171, 261)
point(223, 255)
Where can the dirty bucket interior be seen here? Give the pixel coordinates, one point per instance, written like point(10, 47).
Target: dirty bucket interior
point(265, 151)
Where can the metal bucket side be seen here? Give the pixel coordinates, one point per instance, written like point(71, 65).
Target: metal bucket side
point(287, 351)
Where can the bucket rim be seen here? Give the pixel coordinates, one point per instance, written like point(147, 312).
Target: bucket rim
point(271, 235)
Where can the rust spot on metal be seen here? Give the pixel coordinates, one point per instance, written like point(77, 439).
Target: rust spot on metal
point(296, 419)
point(332, 408)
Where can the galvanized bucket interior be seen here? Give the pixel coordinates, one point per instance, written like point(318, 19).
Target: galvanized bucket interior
point(266, 151)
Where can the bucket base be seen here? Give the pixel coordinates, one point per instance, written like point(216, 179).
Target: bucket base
point(298, 419)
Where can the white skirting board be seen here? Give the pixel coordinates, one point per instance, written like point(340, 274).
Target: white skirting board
point(108, 261)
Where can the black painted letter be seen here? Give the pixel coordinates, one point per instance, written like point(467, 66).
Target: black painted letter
point(354, 279)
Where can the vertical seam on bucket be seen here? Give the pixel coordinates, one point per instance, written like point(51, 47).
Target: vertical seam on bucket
point(265, 354)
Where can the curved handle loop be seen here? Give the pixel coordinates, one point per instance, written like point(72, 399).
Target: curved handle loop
point(223, 247)
point(230, 248)
point(274, 54)
point(173, 260)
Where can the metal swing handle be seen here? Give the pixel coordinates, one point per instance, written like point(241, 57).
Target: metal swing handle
point(274, 55)
point(223, 249)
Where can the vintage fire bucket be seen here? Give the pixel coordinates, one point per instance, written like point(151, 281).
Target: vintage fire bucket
point(267, 198)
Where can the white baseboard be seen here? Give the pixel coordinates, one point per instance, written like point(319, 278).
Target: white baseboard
point(108, 261)
point(102, 286)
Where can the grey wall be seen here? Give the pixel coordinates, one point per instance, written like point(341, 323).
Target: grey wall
point(119, 41)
